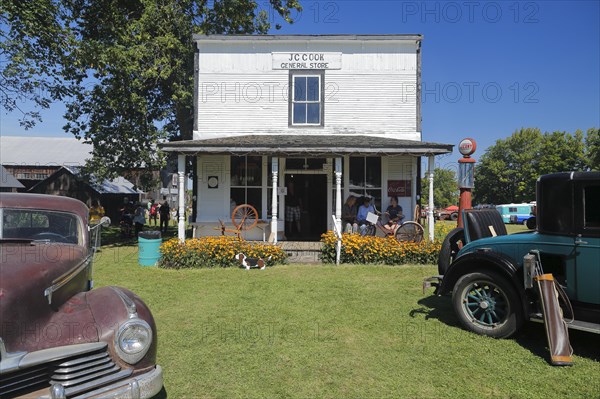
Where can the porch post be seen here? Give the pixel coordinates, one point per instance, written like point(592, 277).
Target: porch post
point(274, 197)
point(181, 195)
point(430, 220)
point(338, 193)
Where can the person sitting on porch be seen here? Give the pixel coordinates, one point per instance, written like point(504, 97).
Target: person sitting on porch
point(349, 215)
point(394, 214)
point(363, 211)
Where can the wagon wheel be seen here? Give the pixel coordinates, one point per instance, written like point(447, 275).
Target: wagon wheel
point(410, 231)
point(244, 217)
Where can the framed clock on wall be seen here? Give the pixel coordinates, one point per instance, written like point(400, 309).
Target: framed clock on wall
point(213, 181)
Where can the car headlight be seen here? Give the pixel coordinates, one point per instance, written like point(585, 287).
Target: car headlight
point(133, 340)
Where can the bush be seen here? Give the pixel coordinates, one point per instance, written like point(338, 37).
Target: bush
point(442, 228)
point(378, 250)
point(216, 251)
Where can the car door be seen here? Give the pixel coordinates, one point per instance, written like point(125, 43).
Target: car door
point(587, 241)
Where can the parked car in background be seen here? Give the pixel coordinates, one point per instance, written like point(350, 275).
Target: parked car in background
point(59, 337)
point(487, 273)
point(449, 213)
point(515, 213)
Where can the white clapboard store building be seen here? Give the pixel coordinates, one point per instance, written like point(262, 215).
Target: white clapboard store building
point(334, 114)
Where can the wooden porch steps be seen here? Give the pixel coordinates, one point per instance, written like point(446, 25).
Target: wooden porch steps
point(302, 251)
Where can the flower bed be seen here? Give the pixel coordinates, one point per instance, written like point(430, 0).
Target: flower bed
point(378, 250)
point(216, 251)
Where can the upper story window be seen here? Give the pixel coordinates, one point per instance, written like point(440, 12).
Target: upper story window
point(306, 98)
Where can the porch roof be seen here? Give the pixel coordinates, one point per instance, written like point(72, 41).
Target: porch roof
point(305, 145)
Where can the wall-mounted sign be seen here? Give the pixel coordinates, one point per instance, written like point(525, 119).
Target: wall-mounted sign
point(213, 182)
point(308, 60)
point(399, 188)
point(467, 147)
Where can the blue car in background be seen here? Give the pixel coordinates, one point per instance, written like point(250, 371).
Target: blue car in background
point(515, 213)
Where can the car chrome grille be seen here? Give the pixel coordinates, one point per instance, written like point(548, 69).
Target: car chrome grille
point(24, 381)
point(77, 375)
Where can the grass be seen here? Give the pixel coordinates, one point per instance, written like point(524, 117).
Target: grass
point(314, 331)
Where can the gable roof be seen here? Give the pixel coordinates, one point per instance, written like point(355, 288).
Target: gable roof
point(120, 185)
point(43, 151)
point(7, 180)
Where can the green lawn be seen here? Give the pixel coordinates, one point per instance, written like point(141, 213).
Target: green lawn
point(313, 331)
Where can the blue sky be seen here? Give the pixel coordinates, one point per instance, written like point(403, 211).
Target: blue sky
point(489, 67)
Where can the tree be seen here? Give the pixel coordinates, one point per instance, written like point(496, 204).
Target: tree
point(592, 153)
point(129, 66)
point(34, 46)
point(508, 170)
point(445, 188)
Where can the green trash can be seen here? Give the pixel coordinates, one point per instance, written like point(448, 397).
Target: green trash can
point(149, 247)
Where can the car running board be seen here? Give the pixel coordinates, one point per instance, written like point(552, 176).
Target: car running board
point(574, 325)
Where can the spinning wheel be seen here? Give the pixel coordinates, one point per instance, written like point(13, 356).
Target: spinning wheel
point(244, 217)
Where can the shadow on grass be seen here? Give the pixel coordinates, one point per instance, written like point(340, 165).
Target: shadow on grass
point(532, 336)
point(161, 395)
point(112, 235)
point(436, 307)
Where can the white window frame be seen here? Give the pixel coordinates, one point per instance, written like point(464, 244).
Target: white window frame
point(306, 74)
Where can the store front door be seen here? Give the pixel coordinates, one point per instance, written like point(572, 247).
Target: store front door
point(309, 193)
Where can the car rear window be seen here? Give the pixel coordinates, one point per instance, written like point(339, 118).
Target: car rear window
point(51, 226)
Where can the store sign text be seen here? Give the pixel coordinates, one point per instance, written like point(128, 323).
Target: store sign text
point(309, 60)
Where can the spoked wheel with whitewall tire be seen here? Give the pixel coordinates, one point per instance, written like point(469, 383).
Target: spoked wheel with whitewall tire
point(452, 243)
point(487, 304)
point(410, 231)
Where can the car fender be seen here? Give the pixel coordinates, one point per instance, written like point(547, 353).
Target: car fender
point(112, 306)
point(483, 260)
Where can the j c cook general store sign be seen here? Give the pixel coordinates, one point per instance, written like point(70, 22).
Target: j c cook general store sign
point(310, 60)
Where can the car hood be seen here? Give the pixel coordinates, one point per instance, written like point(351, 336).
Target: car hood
point(27, 272)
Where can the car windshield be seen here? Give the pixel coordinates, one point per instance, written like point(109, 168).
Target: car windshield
point(40, 225)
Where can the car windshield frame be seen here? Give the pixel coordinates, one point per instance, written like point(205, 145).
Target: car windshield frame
point(47, 230)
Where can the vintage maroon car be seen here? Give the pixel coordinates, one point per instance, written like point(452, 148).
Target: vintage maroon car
point(59, 338)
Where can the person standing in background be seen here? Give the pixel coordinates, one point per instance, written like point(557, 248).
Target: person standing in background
point(165, 214)
point(139, 218)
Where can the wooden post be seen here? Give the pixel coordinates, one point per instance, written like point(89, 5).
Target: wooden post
point(338, 193)
point(430, 219)
point(181, 195)
point(274, 197)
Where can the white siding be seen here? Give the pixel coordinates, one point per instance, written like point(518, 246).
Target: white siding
point(374, 91)
point(213, 203)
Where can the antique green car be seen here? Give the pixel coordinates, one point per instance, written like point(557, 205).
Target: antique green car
point(483, 267)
